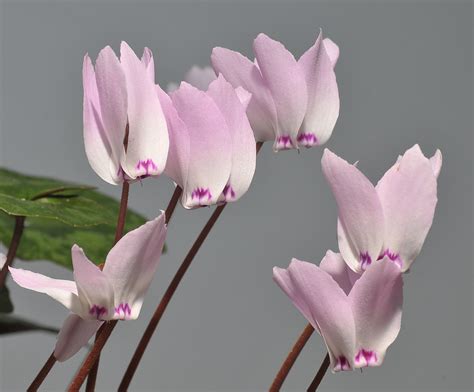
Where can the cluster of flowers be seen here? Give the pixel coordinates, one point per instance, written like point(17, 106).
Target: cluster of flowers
point(205, 141)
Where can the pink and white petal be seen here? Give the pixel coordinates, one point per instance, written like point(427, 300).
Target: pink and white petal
point(149, 63)
point(97, 145)
point(148, 141)
point(436, 162)
point(239, 71)
point(408, 192)
point(131, 266)
point(74, 334)
point(360, 212)
point(243, 141)
point(112, 92)
point(210, 146)
point(200, 77)
point(244, 96)
point(376, 300)
point(63, 291)
point(95, 292)
point(323, 95)
point(177, 163)
point(332, 50)
point(334, 265)
point(282, 278)
point(285, 80)
point(330, 311)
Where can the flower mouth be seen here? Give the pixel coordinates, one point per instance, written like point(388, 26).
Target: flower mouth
point(123, 311)
point(201, 195)
point(307, 140)
point(98, 311)
point(392, 256)
point(284, 142)
point(342, 364)
point(365, 260)
point(148, 166)
point(365, 358)
point(228, 193)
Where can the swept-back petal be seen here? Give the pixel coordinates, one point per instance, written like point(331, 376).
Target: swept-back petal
point(360, 212)
point(376, 300)
point(408, 192)
point(177, 163)
point(330, 311)
point(332, 50)
point(243, 141)
point(63, 291)
point(131, 266)
point(436, 162)
point(286, 82)
point(147, 60)
point(112, 92)
point(334, 265)
point(282, 278)
point(96, 141)
point(244, 96)
point(211, 146)
point(323, 95)
point(200, 77)
point(238, 70)
point(94, 289)
point(148, 141)
point(74, 334)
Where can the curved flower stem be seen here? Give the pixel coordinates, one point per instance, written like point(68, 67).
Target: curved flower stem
point(140, 350)
point(160, 310)
point(122, 216)
point(291, 358)
point(14, 243)
point(106, 330)
point(319, 376)
point(42, 374)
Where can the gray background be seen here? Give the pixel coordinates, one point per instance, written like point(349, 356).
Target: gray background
point(405, 77)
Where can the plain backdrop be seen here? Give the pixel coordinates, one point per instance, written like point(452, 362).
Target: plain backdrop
point(405, 77)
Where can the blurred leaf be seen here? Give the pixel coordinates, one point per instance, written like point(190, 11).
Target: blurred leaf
point(69, 214)
point(14, 324)
point(6, 305)
point(22, 195)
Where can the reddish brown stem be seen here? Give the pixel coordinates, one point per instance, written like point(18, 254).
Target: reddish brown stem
point(122, 217)
point(140, 350)
point(319, 376)
point(12, 249)
point(153, 324)
point(291, 358)
point(106, 330)
point(42, 374)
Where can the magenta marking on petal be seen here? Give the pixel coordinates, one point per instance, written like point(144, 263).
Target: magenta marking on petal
point(365, 358)
point(146, 165)
point(228, 192)
point(123, 310)
point(392, 256)
point(201, 194)
point(284, 143)
point(97, 311)
point(342, 364)
point(307, 139)
point(365, 260)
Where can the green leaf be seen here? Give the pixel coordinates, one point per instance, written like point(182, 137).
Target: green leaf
point(38, 197)
point(6, 305)
point(14, 324)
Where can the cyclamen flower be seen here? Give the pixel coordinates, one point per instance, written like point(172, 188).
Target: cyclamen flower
point(95, 296)
point(200, 77)
point(391, 219)
point(358, 316)
point(212, 148)
point(294, 103)
point(120, 103)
